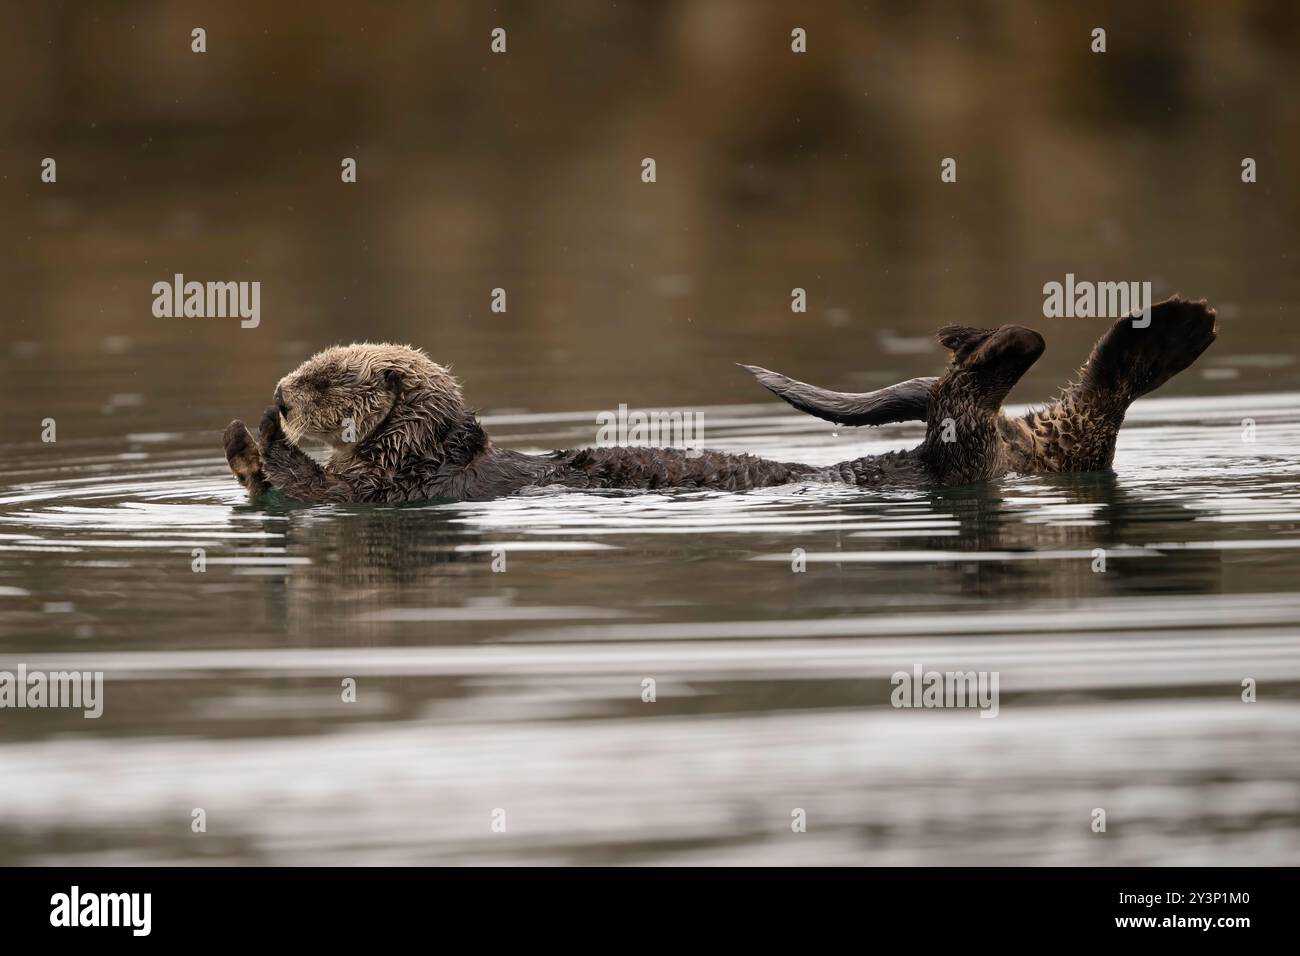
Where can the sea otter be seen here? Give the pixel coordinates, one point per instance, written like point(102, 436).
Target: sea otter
point(400, 430)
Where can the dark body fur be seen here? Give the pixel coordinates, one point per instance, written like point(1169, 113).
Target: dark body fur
point(491, 472)
point(401, 432)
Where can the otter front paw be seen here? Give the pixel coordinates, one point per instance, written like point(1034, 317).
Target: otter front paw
point(269, 431)
point(244, 458)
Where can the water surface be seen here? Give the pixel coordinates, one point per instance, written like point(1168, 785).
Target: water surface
point(521, 689)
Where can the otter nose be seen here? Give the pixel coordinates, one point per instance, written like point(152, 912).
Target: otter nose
point(279, 401)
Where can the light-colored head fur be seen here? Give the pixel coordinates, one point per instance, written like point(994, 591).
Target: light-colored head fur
point(391, 401)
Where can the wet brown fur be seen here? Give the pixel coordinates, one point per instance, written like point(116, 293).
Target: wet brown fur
point(1075, 433)
point(1078, 431)
point(412, 437)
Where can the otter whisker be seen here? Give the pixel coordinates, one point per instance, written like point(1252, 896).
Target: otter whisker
point(293, 431)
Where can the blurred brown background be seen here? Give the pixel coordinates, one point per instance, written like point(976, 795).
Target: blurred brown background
point(522, 171)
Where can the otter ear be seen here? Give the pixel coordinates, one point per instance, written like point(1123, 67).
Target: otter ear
point(962, 340)
point(392, 379)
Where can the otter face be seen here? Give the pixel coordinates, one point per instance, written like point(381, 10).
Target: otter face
point(342, 395)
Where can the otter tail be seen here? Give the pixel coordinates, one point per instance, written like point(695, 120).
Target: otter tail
point(904, 402)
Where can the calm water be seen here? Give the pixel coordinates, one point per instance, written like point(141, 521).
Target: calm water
point(521, 690)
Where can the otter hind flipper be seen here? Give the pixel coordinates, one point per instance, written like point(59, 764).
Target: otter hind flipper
point(1078, 431)
point(962, 340)
point(1134, 358)
point(905, 402)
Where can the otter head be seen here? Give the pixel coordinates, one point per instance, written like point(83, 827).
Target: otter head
point(366, 394)
point(962, 438)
